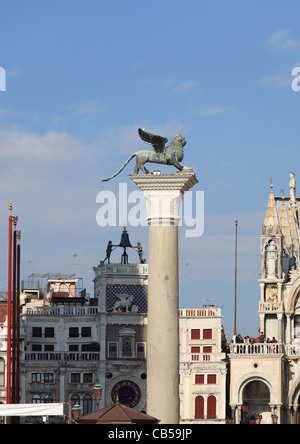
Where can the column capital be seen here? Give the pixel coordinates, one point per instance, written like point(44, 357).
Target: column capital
point(181, 181)
point(163, 193)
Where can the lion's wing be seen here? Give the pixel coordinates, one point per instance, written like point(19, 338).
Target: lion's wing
point(156, 140)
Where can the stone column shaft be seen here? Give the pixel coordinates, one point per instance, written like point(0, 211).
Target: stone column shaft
point(163, 195)
point(163, 325)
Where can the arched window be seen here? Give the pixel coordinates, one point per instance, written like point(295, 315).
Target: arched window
point(211, 407)
point(75, 399)
point(199, 407)
point(48, 399)
point(87, 404)
point(36, 399)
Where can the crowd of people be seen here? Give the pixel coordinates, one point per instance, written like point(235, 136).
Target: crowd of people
point(261, 339)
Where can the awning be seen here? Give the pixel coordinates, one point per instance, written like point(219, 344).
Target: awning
point(55, 409)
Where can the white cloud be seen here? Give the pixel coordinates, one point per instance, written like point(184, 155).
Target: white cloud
point(173, 86)
point(52, 180)
point(186, 87)
point(275, 81)
point(88, 109)
point(281, 41)
point(19, 146)
point(210, 111)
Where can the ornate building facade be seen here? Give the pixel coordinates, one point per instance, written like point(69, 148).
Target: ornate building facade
point(265, 375)
point(203, 366)
point(71, 342)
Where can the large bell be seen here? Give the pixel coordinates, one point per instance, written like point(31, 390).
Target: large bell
point(125, 242)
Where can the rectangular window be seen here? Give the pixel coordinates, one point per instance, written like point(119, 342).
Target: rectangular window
point(36, 332)
point(48, 378)
point(195, 351)
point(88, 378)
point(36, 347)
point(206, 353)
point(199, 379)
point(75, 378)
point(49, 332)
point(207, 333)
point(86, 332)
point(112, 350)
point(49, 348)
point(140, 351)
point(74, 332)
point(207, 349)
point(36, 377)
point(195, 334)
point(211, 379)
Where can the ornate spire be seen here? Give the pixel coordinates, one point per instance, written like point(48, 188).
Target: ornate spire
point(271, 222)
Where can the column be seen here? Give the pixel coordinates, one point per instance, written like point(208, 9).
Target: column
point(280, 326)
point(163, 193)
point(62, 385)
point(262, 322)
point(288, 329)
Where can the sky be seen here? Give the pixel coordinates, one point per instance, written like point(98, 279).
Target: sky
point(83, 76)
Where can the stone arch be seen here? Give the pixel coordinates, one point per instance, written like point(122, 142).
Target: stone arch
point(294, 395)
point(252, 377)
point(293, 296)
point(256, 394)
point(294, 402)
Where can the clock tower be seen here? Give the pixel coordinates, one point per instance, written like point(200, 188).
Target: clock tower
point(121, 288)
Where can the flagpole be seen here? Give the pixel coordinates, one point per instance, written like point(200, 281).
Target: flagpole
point(14, 312)
point(18, 322)
point(8, 365)
point(235, 278)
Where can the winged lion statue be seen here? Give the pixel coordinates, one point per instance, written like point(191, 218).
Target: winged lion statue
point(170, 155)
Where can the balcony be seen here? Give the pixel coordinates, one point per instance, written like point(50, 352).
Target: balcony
point(271, 307)
point(193, 358)
point(269, 349)
point(205, 312)
point(60, 311)
point(62, 356)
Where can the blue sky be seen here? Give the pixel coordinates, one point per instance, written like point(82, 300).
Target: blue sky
point(83, 76)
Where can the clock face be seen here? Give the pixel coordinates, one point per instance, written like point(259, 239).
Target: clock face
point(128, 393)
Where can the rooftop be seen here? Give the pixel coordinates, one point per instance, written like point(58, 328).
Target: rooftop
point(117, 414)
